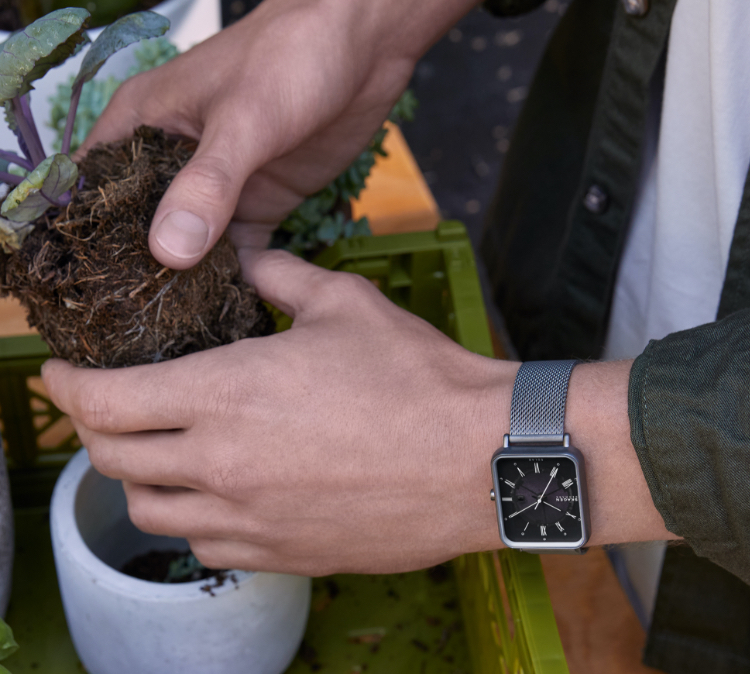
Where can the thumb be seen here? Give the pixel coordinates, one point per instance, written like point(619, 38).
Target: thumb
point(285, 280)
point(199, 203)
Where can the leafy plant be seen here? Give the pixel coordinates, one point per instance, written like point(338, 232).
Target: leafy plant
point(8, 644)
point(25, 57)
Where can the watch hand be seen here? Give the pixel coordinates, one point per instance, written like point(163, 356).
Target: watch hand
point(544, 492)
point(518, 512)
point(551, 506)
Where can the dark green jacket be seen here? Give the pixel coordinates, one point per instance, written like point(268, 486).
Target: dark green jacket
point(552, 245)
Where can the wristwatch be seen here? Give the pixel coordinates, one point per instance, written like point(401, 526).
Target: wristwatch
point(539, 477)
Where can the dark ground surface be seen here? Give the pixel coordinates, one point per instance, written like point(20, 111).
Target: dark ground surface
point(471, 86)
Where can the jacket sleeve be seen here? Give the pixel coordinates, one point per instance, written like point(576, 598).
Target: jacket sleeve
point(510, 7)
point(689, 407)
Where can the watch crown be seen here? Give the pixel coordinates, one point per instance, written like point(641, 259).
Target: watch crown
point(492, 494)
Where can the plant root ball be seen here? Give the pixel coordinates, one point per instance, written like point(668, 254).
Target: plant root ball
point(92, 288)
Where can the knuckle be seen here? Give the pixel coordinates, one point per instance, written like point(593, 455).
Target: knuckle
point(223, 479)
point(211, 179)
point(343, 287)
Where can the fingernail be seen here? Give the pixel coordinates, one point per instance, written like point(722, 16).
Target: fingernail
point(182, 234)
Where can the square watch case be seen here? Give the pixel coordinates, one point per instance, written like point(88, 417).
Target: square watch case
point(540, 495)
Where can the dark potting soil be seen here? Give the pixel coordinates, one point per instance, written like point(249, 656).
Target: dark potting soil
point(155, 566)
point(94, 291)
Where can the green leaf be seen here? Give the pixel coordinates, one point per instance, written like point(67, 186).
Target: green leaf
point(119, 35)
point(405, 108)
point(28, 55)
point(10, 116)
point(50, 180)
point(8, 644)
point(359, 227)
point(330, 229)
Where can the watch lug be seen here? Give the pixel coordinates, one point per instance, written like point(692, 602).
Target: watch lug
point(506, 441)
point(566, 440)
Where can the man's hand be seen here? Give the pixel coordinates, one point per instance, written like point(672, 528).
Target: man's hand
point(281, 103)
point(357, 441)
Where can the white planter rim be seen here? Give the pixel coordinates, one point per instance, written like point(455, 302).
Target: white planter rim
point(71, 543)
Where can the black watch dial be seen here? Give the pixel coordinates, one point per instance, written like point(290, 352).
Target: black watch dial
point(539, 499)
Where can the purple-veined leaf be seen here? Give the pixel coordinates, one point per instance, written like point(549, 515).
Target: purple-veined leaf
point(45, 184)
point(28, 54)
point(118, 35)
point(10, 120)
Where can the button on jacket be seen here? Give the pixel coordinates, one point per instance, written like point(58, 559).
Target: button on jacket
point(552, 245)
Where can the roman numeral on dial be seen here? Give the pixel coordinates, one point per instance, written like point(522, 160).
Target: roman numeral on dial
point(559, 526)
point(520, 471)
point(543, 530)
point(510, 484)
point(553, 472)
point(536, 467)
point(568, 484)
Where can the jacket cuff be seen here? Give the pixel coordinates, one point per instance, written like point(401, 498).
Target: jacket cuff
point(689, 408)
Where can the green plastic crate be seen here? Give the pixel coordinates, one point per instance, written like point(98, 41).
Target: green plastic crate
point(509, 623)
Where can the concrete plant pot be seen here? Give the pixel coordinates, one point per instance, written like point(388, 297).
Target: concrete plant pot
point(6, 537)
point(122, 624)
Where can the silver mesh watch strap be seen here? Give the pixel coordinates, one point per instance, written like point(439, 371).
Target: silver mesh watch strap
point(537, 409)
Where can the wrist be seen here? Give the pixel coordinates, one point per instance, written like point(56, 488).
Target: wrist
point(622, 509)
point(487, 421)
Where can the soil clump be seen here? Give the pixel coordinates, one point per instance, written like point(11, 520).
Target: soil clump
point(157, 566)
point(91, 286)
